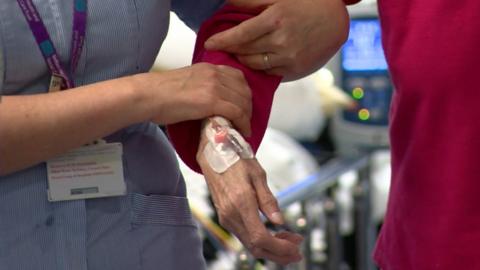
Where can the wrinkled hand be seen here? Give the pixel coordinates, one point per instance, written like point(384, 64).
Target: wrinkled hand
point(197, 92)
point(291, 38)
point(238, 195)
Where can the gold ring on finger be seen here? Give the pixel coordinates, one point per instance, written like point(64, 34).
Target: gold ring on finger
point(266, 61)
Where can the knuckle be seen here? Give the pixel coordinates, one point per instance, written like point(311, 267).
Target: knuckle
point(277, 22)
point(240, 193)
point(213, 76)
point(260, 174)
point(200, 65)
point(224, 222)
point(237, 193)
point(255, 240)
point(269, 200)
point(277, 17)
point(229, 211)
point(292, 57)
point(210, 88)
point(210, 71)
point(238, 73)
point(281, 42)
point(242, 33)
point(208, 65)
point(225, 67)
point(278, 43)
point(204, 67)
point(225, 218)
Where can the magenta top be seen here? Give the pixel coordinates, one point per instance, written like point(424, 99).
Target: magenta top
point(433, 214)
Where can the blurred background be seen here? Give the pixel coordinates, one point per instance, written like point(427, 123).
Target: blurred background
point(326, 154)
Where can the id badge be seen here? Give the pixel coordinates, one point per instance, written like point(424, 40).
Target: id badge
point(92, 171)
point(56, 82)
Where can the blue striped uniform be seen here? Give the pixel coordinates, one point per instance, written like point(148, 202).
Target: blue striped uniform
point(151, 227)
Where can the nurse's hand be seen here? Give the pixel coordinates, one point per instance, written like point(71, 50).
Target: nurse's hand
point(238, 195)
point(291, 38)
point(197, 92)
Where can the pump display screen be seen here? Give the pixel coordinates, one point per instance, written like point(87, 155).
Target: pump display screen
point(363, 50)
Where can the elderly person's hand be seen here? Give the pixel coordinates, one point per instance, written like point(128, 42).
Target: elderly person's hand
point(291, 38)
point(238, 194)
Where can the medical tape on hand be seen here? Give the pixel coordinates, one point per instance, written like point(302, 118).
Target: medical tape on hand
point(225, 145)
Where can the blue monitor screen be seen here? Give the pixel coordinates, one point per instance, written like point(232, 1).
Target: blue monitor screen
point(363, 49)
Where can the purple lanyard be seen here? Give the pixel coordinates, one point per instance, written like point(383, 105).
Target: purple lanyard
point(45, 42)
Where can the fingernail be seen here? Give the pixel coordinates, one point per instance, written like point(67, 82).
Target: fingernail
point(277, 218)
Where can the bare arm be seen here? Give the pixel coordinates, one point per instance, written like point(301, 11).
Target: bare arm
point(35, 128)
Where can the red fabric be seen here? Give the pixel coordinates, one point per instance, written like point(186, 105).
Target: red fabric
point(433, 216)
point(351, 2)
point(185, 135)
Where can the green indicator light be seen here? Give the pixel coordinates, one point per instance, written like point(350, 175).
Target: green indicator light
point(357, 93)
point(363, 114)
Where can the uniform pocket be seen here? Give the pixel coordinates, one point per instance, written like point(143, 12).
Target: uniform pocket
point(161, 210)
point(166, 234)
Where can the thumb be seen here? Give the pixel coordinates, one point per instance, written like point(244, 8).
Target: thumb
point(267, 202)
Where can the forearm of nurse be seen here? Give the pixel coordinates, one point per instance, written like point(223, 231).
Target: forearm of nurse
point(35, 128)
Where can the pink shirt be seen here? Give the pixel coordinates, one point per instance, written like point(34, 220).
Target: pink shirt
point(433, 216)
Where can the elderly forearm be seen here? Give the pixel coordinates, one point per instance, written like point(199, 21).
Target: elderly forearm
point(35, 128)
